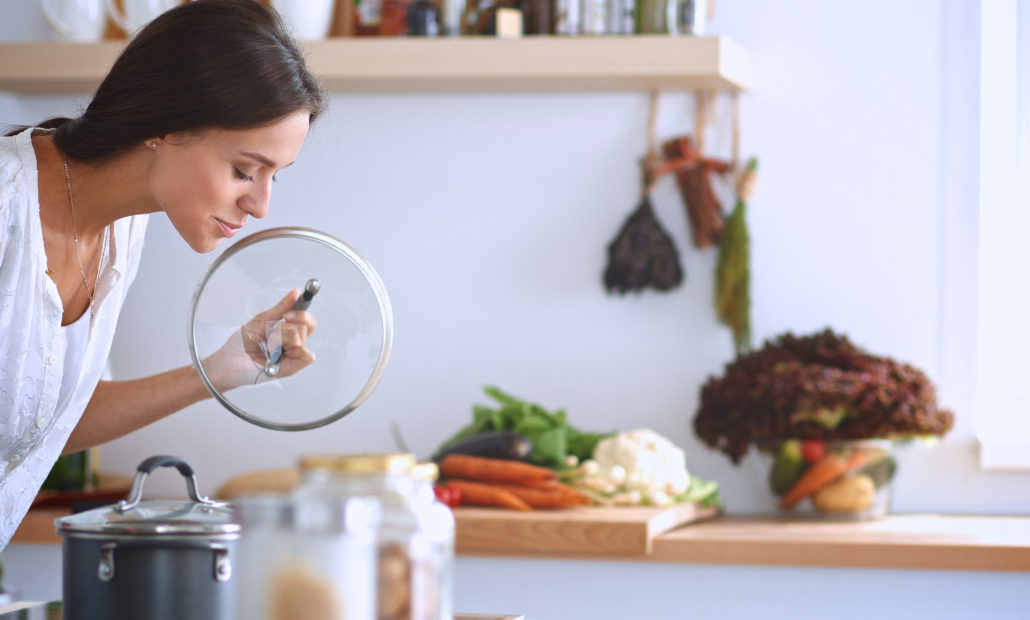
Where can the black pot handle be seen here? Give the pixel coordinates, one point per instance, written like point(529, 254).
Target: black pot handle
point(164, 460)
point(149, 465)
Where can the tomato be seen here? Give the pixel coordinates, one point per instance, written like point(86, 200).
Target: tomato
point(449, 496)
point(442, 493)
point(812, 450)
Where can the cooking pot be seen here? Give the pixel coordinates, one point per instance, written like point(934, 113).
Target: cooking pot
point(154, 559)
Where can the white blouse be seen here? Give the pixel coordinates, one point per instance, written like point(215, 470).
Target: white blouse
point(33, 368)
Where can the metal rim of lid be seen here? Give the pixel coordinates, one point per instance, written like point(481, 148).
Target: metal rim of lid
point(93, 523)
point(366, 270)
point(392, 463)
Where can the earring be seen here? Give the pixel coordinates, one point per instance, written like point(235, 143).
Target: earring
point(153, 145)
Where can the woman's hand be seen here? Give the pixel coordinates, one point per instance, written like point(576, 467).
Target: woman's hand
point(242, 359)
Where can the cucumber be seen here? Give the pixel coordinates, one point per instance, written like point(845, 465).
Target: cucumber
point(787, 467)
point(491, 444)
point(880, 471)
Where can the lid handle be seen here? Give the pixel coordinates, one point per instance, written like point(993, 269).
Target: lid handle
point(149, 465)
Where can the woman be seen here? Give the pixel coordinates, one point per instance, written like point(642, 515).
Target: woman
point(196, 116)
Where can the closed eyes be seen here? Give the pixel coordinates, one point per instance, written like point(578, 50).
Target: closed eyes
point(250, 179)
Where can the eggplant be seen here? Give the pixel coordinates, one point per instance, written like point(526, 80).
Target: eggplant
point(491, 444)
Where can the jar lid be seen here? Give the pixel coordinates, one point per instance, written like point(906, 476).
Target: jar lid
point(395, 463)
point(425, 471)
point(152, 518)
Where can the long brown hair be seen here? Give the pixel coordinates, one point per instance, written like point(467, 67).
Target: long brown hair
point(228, 64)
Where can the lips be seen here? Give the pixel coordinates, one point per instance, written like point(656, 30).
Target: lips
point(228, 230)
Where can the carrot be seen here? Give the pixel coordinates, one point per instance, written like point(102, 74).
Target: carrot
point(481, 494)
point(823, 472)
point(542, 484)
point(558, 497)
point(491, 470)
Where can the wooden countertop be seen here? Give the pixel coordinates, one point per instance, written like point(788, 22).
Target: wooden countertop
point(924, 542)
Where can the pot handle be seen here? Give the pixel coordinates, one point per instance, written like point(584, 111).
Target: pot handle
point(149, 465)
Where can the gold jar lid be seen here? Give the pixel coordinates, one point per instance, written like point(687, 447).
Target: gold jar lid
point(393, 463)
point(425, 471)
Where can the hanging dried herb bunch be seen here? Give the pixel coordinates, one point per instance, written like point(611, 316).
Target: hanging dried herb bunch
point(642, 254)
point(732, 271)
point(816, 387)
point(693, 174)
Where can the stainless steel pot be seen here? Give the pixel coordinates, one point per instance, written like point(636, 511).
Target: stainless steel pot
point(154, 559)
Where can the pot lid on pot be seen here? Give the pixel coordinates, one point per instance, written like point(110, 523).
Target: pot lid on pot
point(134, 516)
point(150, 517)
point(235, 331)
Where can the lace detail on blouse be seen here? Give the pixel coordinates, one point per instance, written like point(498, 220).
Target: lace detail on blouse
point(32, 430)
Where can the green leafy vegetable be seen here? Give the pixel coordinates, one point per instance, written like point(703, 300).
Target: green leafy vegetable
point(704, 491)
point(552, 438)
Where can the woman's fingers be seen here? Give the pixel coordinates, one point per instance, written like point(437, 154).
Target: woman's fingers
point(294, 331)
point(282, 307)
point(300, 354)
point(301, 317)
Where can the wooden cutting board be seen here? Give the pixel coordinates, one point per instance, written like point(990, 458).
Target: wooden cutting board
point(591, 530)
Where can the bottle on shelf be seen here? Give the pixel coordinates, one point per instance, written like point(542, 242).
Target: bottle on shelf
point(394, 21)
point(621, 17)
point(687, 17)
point(566, 17)
point(423, 19)
point(651, 16)
point(502, 18)
point(450, 17)
point(593, 17)
point(368, 16)
point(538, 17)
point(675, 17)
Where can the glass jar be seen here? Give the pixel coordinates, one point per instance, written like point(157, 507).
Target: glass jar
point(308, 556)
point(838, 480)
point(416, 534)
point(433, 584)
point(651, 16)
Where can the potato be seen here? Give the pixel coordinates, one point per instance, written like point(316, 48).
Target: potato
point(851, 494)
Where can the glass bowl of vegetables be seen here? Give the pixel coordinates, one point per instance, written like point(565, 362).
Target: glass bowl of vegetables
point(847, 480)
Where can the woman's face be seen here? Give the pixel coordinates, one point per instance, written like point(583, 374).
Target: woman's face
point(210, 182)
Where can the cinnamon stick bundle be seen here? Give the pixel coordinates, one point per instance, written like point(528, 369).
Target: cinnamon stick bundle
point(693, 176)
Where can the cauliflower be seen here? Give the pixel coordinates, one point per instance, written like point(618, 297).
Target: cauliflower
point(644, 461)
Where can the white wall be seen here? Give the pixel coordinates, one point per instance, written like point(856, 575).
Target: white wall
point(488, 216)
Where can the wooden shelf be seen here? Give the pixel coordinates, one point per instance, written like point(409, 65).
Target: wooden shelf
point(920, 542)
point(925, 542)
point(451, 65)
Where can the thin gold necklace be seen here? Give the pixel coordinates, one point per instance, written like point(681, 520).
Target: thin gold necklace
point(75, 239)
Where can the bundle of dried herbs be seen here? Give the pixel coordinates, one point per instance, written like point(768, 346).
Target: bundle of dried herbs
point(694, 177)
point(816, 387)
point(642, 254)
point(732, 271)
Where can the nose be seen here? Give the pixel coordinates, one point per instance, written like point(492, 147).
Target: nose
point(256, 201)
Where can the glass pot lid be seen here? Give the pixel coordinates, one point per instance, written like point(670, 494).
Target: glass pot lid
point(236, 329)
point(164, 518)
